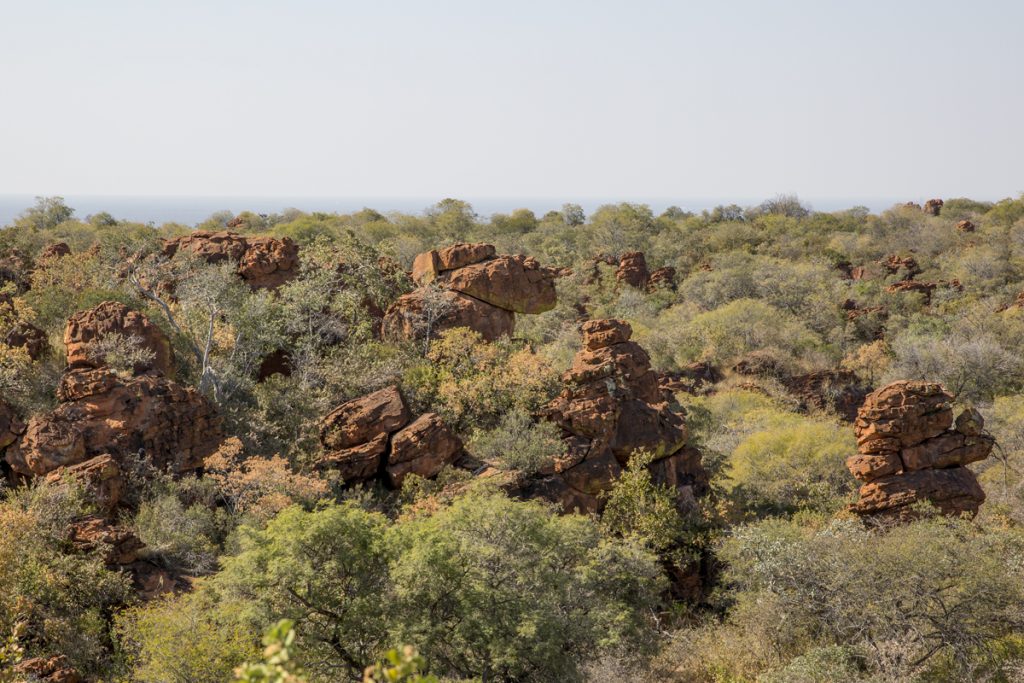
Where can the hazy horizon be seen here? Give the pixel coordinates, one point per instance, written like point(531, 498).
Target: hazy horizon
point(575, 99)
point(190, 210)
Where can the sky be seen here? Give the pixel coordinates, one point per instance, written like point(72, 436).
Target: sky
point(571, 99)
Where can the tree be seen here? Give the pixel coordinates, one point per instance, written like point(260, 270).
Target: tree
point(48, 213)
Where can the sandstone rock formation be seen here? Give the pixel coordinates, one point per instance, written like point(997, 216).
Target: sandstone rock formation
point(263, 262)
point(374, 436)
point(171, 426)
point(11, 427)
point(910, 450)
point(612, 405)
point(632, 270)
point(838, 390)
point(54, 669)
point(933, 207)
point(893, 264)
point(20, 334)
point(690, 379)
point(664, 277)
point(100, 475)
point(54, 251)
point(926, 289)
point(467, 285)
point(965, 226)
point(85, 328)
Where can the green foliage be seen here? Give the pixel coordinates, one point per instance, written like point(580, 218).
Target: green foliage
point(276, 666)
point(641, 510)
point(519, 443)
point(181, 640)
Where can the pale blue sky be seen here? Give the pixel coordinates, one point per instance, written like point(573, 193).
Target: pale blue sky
point(518, 98)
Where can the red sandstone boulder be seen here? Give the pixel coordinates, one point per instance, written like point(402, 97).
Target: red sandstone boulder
point(514, 283)
point(430, 264)
point(54, 251)
point(908, 453)
point(933, 207)
point(840, 391)
point(356, 463)
point(632, 270)
point(11, 427)
point(120, 545)
point(100, 475)
point(612, 406)
point(893, 264)
point(114, 318)
point(54, 669)
point(23, 335)
point(423, 448)
point(269, 262)
point(263, 262)
point(664, 277)
point(364, 419)
point(415, 314)
point(902, 414)
point(965, 226)
point(174, 427)
point(953, 491)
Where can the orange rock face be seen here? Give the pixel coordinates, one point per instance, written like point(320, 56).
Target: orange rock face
point(467, 285)
point(613, 405)
point(372, 436)
point(965, 226)
point(514, 283)
point(933, 207)
point(112, 317)
point(421, 311)
point(54, 669)
point(101, 476)
point(909, 450)
point(423, 448)
point(100, 413)
point(632, 270)
point(263, 262)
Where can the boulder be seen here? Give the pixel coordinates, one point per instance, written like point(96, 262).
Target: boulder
point(102, 479)
point(172, 426)
point(268, 262)
point(965, 226)
point(23, 335)
point(612, 405)
point(910, 450)
point(514, 283)
point(263, 262)
point(54, 251)
point(410, 316)
point(109, 318)
point(430, 264)
point(838, 390)
point(933, 207)
point(664, 277)
point(120, 545)
point(54, 669)
point(423, 448)
point(632, 270)
point(356, 463)
point(11, 426)
point(893, 264)
point(364, 419)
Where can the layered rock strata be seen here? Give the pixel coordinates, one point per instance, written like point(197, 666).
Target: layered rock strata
point(910, 449)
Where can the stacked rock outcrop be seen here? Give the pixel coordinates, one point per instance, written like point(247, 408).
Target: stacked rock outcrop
point(85, 328)
point(911, 450)
point(933, 207)
point(104, 416)
point(374, 436)
point(965, 226)
point(263, 262)
point(612, 406)
point(631, 269)
point(469, 285)
point(19, 334)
